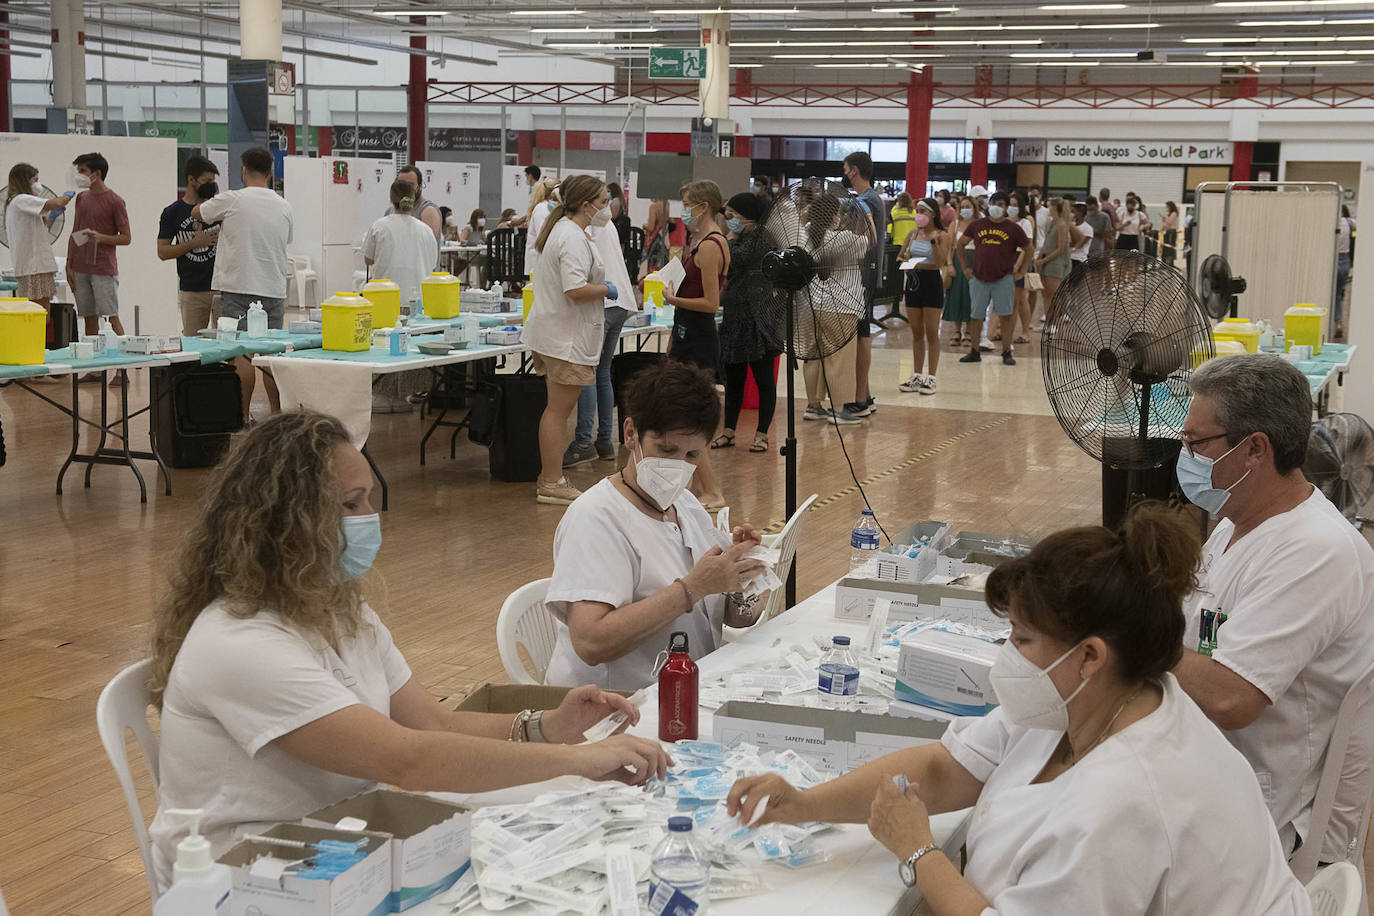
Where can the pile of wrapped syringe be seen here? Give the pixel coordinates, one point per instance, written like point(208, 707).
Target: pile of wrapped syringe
point(599, 849)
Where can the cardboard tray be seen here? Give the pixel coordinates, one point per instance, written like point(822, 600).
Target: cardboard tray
point(509, 699)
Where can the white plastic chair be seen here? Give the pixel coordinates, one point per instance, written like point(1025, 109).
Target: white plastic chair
point(786, 541)
point(1337, 891)
point(1352, 731)
point(304, 281)
point(123, 706)
point(524, 621)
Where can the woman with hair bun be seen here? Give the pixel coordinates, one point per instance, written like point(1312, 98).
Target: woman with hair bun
point(1098, 786)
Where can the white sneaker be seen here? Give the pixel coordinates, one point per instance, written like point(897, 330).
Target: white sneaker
point(912, 384)
point(985, 345)
point(559, 493)
point(928, 385)
point(815, 412)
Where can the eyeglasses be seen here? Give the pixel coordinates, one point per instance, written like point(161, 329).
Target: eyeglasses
point(1192, 446)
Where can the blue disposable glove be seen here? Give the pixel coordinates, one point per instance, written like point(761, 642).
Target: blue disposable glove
point(611, 292)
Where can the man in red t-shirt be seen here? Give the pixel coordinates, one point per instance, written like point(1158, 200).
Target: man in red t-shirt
point(1001, 254)
point(101, 225)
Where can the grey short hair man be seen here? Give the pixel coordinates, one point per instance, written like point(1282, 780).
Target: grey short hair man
point(1282, 623)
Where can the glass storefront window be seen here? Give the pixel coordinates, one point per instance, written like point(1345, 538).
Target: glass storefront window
point(836, 150)
point(888, 151)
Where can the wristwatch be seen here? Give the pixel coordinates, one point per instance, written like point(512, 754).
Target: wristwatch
point(907, 868)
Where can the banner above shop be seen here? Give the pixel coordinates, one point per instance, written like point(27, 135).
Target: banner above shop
point(1154, 152)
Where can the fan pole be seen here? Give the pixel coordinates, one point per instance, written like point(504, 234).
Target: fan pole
point(789, 448)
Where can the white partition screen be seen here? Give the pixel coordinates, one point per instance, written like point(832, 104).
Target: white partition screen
point(1281, 237)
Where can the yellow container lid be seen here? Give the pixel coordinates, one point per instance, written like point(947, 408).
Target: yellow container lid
point(380, 283)
point(440, 276)
point(17, 305)
point(346, 298)
point(1305, 308)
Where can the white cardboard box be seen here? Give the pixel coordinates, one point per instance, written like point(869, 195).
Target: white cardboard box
point(947, 671)
point(152, 343)
point(363, 890)
point(911, 600)
point(841, 740)
point(501, 336)
point(430, 839)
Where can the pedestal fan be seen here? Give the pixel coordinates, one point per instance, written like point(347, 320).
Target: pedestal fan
point(1122, 338)
point(55, 219)
point(821, 241)
point(1340, 462)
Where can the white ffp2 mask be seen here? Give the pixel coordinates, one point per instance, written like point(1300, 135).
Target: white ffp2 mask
point(662, 479)
point(1025, 692)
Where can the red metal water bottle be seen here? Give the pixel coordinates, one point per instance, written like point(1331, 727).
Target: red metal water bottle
point(677, 693)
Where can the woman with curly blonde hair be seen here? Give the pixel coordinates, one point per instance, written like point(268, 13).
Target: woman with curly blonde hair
point(281, 691)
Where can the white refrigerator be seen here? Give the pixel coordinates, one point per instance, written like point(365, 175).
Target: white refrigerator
point(335, 199)
point(456, 185)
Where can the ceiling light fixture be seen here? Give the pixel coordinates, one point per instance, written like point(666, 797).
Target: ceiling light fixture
point(423, 12)
point(558, 12)
point(734, 11)
point(1274, 4)
point(855, 66)
point(745, 66)
point(915, 9)
point(1275, 23)
point(609, 29)
point(1073, 7)
point(601, 46)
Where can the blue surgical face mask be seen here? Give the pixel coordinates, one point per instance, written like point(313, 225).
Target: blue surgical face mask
point(1195, 477)
point(1013, 212)
point(734, 225)
point(966, 213)
point(362, 536)
point(996, 212)
point(688, 218)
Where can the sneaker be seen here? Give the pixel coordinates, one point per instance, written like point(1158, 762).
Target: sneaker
point(560, 493)
point(973, 356)
point(872, 405)
point(605, 450)
point(844, 417)
point(913, 384)
point(816, 412)
point(579, 453)
point(1007, 358)
point(928, 385)
point(860, 410)
point(986, 345)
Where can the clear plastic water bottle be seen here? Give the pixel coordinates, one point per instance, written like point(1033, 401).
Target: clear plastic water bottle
point(680, 876)
point(838, 683)
point(863, 540)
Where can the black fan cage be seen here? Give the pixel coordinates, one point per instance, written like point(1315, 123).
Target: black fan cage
point(1122, 338)
point(54, 227)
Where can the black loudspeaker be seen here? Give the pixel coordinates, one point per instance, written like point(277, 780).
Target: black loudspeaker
point(1122, 489)
point(61, 326)
point(514, 450)
point(625, 366)
point(194, 409)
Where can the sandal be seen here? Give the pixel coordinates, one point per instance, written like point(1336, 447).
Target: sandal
point(724, 440)
point(1022, 340)
point(760, 444)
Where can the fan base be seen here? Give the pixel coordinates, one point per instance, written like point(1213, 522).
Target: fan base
point(1122, 489)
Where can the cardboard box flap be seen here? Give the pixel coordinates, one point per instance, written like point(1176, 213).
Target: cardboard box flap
point(400, 814)
point(838, 725)
point(509, 699)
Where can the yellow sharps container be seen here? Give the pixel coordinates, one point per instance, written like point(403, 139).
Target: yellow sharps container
point(347, 322)
point(441, 291)
point(385, 297)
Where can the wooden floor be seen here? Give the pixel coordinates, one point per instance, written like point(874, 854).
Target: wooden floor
point(79, 574)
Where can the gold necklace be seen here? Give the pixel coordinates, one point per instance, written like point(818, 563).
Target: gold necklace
point(1069, 757)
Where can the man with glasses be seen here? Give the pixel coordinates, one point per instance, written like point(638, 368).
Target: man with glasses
point(1282, 622)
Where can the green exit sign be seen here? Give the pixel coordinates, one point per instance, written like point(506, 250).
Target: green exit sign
point(677, 63)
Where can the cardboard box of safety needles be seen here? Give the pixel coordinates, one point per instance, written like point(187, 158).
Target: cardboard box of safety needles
point(431, 840)
point(263, 886)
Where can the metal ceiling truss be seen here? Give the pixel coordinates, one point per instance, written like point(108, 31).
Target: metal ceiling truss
point(1263, 95)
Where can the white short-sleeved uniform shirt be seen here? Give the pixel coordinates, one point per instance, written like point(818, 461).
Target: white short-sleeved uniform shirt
point(1131, 221)
point(237, 685)
point(1298, 595)
point(607, 550)
point(538, 216)
point(27, 232)
point(250, 256)
point(403, 250)
point(1163, 817)
point(557, 326)
point(607, 242)
point(1081, 252)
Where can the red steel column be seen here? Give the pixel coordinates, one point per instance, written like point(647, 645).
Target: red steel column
point(1240, 161)
point(417, 98)
point(978, 170)
point(920, 98)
